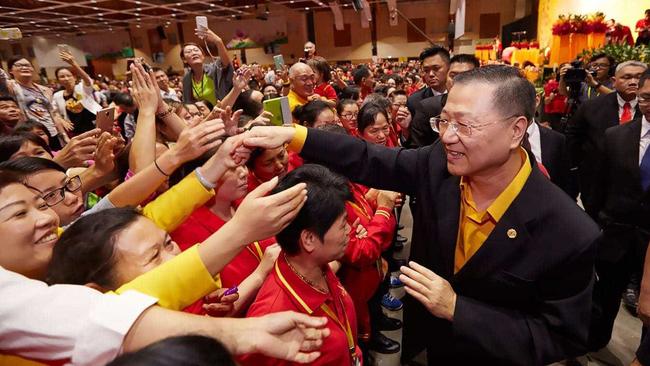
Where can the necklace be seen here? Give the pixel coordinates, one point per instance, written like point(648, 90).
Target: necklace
point(305, 279)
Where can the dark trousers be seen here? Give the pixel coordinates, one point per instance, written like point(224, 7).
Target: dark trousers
point(613, 278)
point(643, 352)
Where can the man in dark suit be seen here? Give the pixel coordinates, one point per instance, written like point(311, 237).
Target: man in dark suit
point(505, 258)
point(586, 130)
point(623, 215)
point(421, 133)
point(434, 64)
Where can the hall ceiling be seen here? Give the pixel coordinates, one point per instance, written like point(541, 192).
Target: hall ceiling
point(59, 17)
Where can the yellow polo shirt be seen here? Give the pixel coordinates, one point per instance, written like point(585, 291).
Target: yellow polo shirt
point(295, 100)
point(475, 226)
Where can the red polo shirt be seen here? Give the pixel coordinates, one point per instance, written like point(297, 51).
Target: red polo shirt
point(363, 267)
point(327, 91)
point(295, 161)
point(283, 290)
point(200, 225)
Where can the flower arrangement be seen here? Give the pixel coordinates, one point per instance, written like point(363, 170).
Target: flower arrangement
point(577, 23)
point(562, 26)
point(596, 23)
point(241, 40)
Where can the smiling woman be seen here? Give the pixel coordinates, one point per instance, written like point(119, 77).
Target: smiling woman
point(31, 225)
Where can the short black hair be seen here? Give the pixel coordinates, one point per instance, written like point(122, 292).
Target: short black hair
point(30, 125)
point(123, 99)
point(433, 51)
point(465, 58)
point(360, 73)
point(327, 193)
point(85, 252)
point(340, 106)
point(367, 115)
point(187, 350)
point(609, 58)
point(398, 92)
point(8, 98)
point(333, 129)
point(378, 99)
point(513, 95)
point(10, 144)
point(644, 77)
point(350, 92)
point(7, 179)
point(306, 114)
point(206, 102)
point(156, 69)
point(58, 69)
point(28, 165)
point(12, 60)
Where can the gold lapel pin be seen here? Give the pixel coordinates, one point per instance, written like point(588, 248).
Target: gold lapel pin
point(512, 233)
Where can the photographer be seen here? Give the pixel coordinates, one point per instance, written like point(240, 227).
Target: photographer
point(597, 81)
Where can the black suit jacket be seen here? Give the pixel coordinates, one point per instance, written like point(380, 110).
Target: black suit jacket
point(585, 139)
point(416, 97)
point(623, 206)
point(420, 132)
point(521, 301)
point(554, 156)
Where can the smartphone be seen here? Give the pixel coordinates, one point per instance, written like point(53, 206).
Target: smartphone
point(201, 23)
point(145, 65)
point(129, 61)
point(63, 47)
point(279, 62)
point(105, 118)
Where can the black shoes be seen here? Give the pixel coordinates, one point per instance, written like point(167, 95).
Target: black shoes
point(630, 301)
point(382, 344)
point(388, 324)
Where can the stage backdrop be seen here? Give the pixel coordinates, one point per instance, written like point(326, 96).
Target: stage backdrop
point(626, 12)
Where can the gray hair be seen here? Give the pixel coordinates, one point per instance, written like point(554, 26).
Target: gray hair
point(513, 95)
point(630, 63)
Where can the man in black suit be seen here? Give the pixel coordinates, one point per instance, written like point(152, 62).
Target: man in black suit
point(623, 215)
point(420, 131)
point(586, 130)
point(549, 149)
point(506, 258)
point(434, 64)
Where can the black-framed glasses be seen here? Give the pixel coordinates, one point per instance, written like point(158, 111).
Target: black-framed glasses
point(349, 115)
point(54, 197)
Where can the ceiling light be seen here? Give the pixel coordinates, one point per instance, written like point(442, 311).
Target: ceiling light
point(138, 9)
point(100, 15)
point(32, 22)
point(212, 5)
point(95, 8)
point(209, 10)
point(138, 2)
point(65, 18)
point(178, 4)
point(137, 25)
point(291, 2)
point(173, 15)
point(307, 8)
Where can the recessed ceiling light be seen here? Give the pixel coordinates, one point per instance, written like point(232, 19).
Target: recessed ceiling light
point(69, 22)
point(209, 10)
point(65, 18)
point(178, 4)
point(137, 25)
point(32, 22)
point(138, 2)
point(233, 15)
point(212, 5)
point(138, 9)
point(137, 14)
point(95, 8)
point(173, 15)
point(100, 15)
point(307, 8)
point(291, 2)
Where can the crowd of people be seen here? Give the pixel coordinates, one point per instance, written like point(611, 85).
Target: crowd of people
point(193, 229)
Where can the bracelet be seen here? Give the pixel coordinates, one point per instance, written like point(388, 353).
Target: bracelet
point(155, 162)
point(204, 182)
point(286, 84)
point(166, 113)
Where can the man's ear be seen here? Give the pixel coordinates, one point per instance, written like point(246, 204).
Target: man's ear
point(519, 129)
point(97, 287)
point(308, 241)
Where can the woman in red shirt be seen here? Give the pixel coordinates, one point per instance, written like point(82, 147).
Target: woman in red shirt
point(249, 268)
point(265, 164)
point(348, 111)
point(301, 279)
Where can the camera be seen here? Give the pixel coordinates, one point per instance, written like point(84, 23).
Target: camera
point(577, 74)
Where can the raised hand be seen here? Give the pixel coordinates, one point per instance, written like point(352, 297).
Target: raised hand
point(216, 304)
point(197, 139)
point(268, 137)
point(145, 90)
point(80, 149)
point(231, 121)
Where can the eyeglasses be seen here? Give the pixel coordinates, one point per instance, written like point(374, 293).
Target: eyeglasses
point(22, 66)
point(71, 185)
point(600, 66)
point(349, 115)
point(464, 129)
point(643, 100)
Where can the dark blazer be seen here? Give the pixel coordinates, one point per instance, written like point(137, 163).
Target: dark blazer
point(524, 300)
point(585, 139)
point(623, 206)
point(416, 97)
point(554, 156)
point(420, 132)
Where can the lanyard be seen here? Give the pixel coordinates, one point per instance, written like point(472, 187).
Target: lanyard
point(257, 253)
point(347, 329)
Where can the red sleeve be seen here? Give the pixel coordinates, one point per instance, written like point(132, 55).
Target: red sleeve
point(364, 252)
point(188, 234)
point(330, 93)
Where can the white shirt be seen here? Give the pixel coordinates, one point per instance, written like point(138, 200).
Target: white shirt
point(644, 143)
point(86, 93)
point(64, 321)
point(435, 92)
point(535, 141)
point(622, 102)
